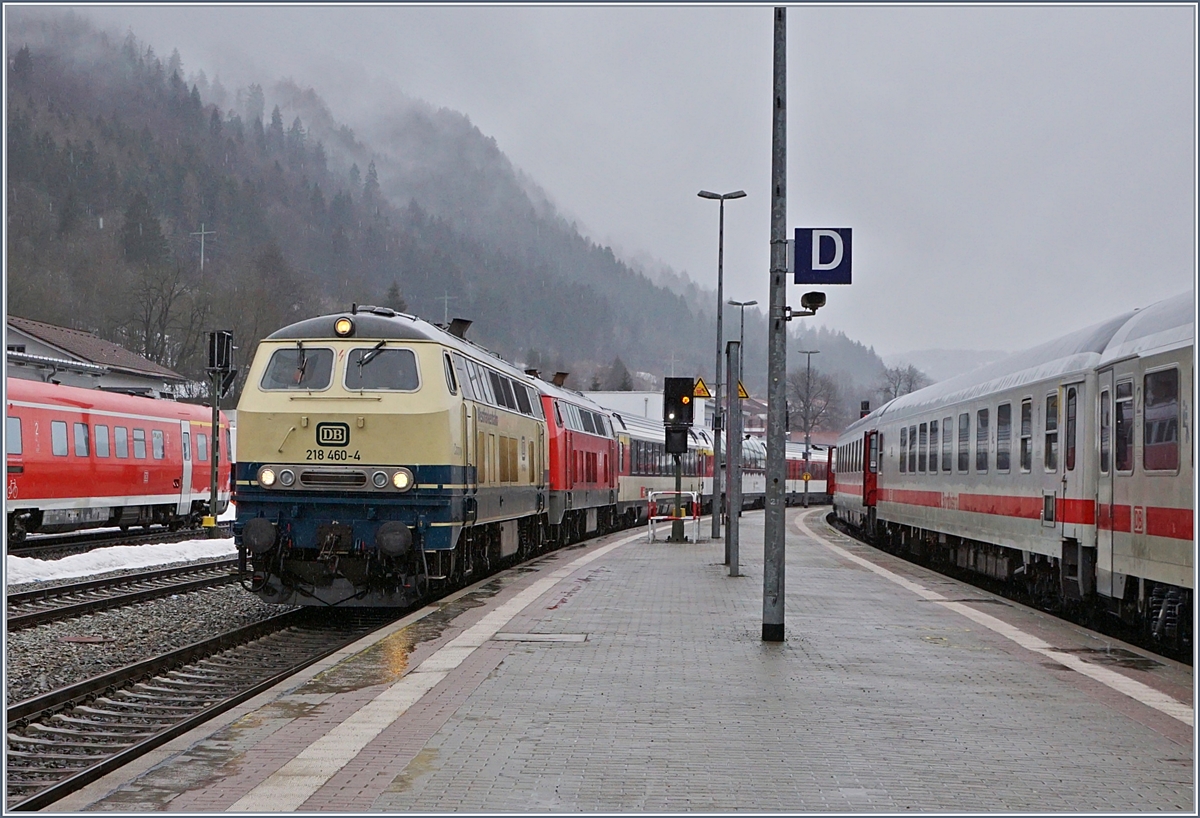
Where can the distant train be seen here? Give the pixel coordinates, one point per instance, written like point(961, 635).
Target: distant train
point(86, 458)
point(379, 453)
point(1067, 469)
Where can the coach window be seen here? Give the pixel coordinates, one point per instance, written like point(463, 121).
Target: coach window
point(1069, 442)
point(202, 447)
point(299, 368)
point(964, 442)
point(947, 444)
point(187, 446)
point(1003, 436)
point(1050, 454)
point(139, 444)
point(12, 435)
point(1026, 434)
point(1160, 432)
point(903, 449)
point(450, 380)
point(981, 441)
point(156, 437)
point(1105, 431)
point(912, 449)
point(81, 440)
point(58, 437)
point(922, 455)
point(102, 441)
point(381, 368)
point(121, 440)
point(933, 447)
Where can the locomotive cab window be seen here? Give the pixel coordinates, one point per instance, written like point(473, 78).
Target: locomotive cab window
point(1160, 431)
point(299, 368)
point(451, 383)
point(12, 435)
point(380, 368)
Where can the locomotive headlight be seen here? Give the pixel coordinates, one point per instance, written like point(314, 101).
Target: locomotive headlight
point(402, 479)
point(379, 479)
point(266, 477)
point(343, 327)
point(287, 477)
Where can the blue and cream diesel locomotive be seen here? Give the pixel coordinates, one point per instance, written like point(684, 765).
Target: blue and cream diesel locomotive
point(377, 452)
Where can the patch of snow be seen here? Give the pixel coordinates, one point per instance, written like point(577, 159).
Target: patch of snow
point(20, 570)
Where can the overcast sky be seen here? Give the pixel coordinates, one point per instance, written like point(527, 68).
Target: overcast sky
point(1010, 173)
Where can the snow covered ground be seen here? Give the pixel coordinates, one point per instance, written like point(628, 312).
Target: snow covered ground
point(20, 570)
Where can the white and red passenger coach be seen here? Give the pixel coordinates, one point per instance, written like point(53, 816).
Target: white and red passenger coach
point(85, 458)
point(1067, 468)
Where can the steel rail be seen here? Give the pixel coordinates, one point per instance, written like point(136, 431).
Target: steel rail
point(17, 619)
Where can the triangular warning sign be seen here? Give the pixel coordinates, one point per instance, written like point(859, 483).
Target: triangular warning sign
point(701, 391)
point(742, 391)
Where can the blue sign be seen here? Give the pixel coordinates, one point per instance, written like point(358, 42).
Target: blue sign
point(822, 255)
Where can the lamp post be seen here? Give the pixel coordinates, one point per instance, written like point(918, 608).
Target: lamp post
point(808, 415)
point(742, 332)
point(716, 509)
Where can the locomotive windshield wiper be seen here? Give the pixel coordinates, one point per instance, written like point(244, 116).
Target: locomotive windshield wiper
point(370, 356)
point(302, 363)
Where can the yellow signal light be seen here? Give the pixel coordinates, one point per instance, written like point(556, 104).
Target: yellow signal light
point(685, 400)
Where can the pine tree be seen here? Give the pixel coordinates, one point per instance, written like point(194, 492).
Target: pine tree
point(394, 299)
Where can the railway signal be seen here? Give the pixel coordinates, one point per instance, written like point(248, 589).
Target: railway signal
point(220, 370)
point(677, 418)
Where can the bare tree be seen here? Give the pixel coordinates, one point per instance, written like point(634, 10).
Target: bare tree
point(814, 402)
point(900, 380)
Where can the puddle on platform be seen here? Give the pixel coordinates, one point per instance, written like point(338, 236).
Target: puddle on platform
point(388, 659)
point(421, 764)
point(1118, 657)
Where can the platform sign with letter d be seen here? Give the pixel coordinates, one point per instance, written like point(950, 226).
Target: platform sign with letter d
point(822, 255)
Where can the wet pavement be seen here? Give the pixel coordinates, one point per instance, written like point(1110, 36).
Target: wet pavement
point(625, 675)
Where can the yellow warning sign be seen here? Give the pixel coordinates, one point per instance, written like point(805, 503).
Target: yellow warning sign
point(701, 391)
point(742, 391)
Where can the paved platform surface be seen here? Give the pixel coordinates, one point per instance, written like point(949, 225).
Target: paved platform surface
point(629, 676)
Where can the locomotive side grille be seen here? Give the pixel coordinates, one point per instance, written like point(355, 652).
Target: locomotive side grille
point(317, 477)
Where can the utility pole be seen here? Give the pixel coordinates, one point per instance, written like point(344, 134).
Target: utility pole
point(733, 456)
point(807, 417)
point(773, 536)
point(202, 233)
point(446, 299)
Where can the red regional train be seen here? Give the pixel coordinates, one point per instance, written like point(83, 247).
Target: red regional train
point(86, 458)
point(1067, 469)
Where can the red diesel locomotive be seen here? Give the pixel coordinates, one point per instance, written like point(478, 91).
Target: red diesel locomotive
point(85, 458)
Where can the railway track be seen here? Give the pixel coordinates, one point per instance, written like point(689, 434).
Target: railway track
point(65, 739)
point(61, 545)
point(28, 609)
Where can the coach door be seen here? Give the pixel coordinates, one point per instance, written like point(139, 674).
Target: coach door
point(870, 467)
point(1105, 581)
point(185, 486)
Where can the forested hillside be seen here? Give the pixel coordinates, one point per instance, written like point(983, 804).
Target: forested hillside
point(123, 164)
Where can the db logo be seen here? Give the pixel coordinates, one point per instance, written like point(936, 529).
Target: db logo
point(333, 434)
point(1139, 519)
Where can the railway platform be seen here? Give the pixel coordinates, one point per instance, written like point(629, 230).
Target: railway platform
point(629, 675)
